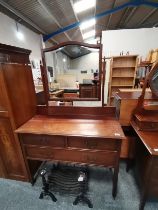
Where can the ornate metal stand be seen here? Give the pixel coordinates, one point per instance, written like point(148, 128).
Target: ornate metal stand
point(45, 188)
point(66, 179)
point(82, 196)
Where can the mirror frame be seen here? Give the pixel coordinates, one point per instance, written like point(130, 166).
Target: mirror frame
point(148, 79)
point(44, 70)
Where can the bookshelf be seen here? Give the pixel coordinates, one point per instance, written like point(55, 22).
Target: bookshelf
point(122, 74)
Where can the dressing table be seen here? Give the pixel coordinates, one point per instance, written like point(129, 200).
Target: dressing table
point(84, 135)
point(145, 125)
point(80, 135)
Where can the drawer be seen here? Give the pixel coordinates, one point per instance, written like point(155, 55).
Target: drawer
point(93, 143)
point(43, 140)
point(106, 158)
point(72, 155)
point(41, 153)
point(76, 142)
point(103, 144)
point(86, 156)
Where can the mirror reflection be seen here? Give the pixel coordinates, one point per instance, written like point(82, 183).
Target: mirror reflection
point(73, 72)
point(154, 82)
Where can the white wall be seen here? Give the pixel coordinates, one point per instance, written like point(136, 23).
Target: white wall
point(50, 61)
point(86, 62)
point(55, 60)
point(61, 66)
point(135, 41)
point(31, 41)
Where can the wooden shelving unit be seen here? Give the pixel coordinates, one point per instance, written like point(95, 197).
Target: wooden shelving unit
point(122, 74)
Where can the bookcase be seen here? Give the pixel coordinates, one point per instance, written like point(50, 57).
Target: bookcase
point(122, 74)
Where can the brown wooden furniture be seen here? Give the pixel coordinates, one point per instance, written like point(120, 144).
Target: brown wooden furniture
point(17, 105)
point(88, 90)
point(128, 145)
point(40, 97)
point(145, 124)
point(152, 56)
point(122, 74)
point(73, 134)
point(146, 163)
point(90, 135)
point(144, 117)
point(71, 95)
point(2, 169)
point(69, 44)
point(128, 100)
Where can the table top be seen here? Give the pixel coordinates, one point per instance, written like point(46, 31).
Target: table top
point(149, 139)
point(103, 128)
point(135, 95)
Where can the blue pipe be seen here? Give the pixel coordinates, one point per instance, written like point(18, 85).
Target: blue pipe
point(151, 4)
point(107, 12)
point(144, 2)
point(74, 25)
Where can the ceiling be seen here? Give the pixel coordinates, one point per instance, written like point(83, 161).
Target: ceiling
point(49, 16)
point(75, 51)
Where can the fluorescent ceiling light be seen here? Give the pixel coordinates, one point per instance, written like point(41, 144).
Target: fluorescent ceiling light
point(89, 34)
point(64, 60)
point(19, 35)
point(83, 5)
point(87, 24)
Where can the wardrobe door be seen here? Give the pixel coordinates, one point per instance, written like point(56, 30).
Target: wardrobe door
point(9, 151)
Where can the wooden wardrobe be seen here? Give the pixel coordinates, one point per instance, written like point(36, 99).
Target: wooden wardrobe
point(17, 105)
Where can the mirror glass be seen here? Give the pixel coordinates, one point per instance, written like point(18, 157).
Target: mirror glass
point(154, 82)
point(73, 73)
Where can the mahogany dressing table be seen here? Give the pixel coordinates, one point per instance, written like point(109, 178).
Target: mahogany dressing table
point(84, 135)
point(146, 163)
point(145, 124)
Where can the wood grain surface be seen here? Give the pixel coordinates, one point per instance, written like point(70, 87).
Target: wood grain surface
point(41, 124)
point(149, 139)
